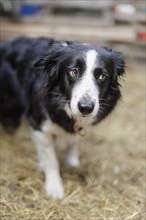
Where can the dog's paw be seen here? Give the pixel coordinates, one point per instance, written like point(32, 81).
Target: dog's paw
point(55, 189)
point(72, 157)
point(73, 161)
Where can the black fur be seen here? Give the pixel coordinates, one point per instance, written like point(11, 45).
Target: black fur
point(34, 82)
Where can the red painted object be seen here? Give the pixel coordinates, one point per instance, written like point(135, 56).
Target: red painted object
point(142, 36)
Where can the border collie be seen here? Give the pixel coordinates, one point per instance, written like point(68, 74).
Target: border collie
point(60, 88)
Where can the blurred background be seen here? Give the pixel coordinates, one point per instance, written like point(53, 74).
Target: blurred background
point(110, 183)
point(120, 24)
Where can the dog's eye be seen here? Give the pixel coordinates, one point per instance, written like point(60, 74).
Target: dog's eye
point(102, 77)
point(73, 72)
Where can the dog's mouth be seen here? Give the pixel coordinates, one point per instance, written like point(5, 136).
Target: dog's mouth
point(77, 115)
point(81, 120)
point(71, 113)
point(67, 109)
point(85, 116)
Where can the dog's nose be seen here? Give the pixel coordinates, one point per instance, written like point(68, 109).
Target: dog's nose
point(86, 107)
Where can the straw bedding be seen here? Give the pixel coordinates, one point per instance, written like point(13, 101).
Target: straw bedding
point(109, 184)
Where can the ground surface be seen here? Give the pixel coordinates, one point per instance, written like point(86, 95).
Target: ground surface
point(109, 184)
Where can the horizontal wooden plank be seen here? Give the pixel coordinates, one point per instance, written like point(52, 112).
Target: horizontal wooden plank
point(116, 34)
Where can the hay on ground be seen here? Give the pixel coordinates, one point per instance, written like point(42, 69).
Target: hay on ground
point(108, 185)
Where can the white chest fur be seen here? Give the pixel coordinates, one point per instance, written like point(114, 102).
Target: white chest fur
point(62, 139)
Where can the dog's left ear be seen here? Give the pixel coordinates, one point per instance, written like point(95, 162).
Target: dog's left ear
point(117, 60)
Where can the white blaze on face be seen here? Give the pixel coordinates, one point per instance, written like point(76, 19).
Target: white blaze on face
point(86, 86)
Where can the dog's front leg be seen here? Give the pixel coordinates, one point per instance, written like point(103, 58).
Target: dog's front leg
point(49, 164)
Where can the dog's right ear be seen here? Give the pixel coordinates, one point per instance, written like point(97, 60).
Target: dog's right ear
point(51, 62)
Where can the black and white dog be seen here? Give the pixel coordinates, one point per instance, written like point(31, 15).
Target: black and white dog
point(60, 88)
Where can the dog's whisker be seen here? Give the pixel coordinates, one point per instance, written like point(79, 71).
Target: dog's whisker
point(104, 104)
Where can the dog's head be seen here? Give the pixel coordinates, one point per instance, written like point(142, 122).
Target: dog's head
point(87, 78)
